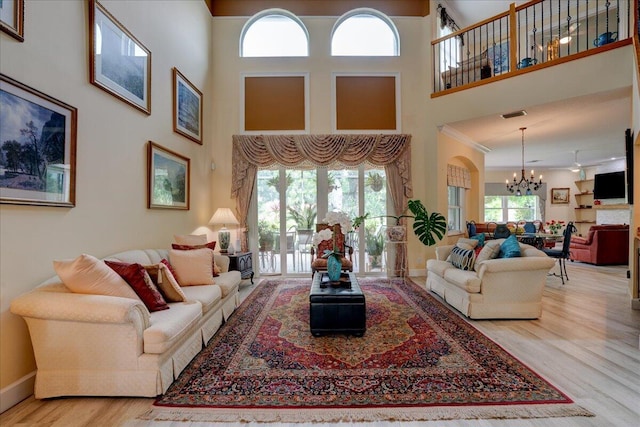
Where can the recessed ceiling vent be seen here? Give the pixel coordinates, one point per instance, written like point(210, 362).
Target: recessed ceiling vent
point(513, 114)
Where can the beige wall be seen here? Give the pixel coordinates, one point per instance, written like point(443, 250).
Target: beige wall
point(111, 213)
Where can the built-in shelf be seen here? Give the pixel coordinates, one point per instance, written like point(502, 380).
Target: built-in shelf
point(622, 206)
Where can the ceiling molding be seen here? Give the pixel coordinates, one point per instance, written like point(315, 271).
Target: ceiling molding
point(459, 136)
point(317, 8)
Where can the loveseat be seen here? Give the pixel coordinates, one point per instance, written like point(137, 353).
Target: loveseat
point(99, 345)
point(604, 245)
point(495, 288)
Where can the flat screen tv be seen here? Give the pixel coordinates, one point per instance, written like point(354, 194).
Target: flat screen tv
point(610, 185)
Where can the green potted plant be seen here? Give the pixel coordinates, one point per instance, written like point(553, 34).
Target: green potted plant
point(374, 245)
point(274, 181)
point(375, 181)
point(426, 226)
point(304, 215)
point(266, 231)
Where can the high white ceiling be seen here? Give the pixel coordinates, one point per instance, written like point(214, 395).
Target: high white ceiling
point(591, 128)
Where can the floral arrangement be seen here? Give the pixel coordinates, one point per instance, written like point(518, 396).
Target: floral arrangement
point(555, 226)
point(332, 218)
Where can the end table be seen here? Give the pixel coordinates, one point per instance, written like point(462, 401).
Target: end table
point(242, 262)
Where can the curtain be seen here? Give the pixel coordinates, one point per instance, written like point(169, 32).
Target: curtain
point(392, 151)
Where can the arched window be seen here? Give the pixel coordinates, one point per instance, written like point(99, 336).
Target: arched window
point(365, 32)
point(274, 32)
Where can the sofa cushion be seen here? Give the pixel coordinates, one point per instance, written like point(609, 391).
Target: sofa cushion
point(193, 267)
point(207, 295)
point(465, 243)
point(467, 280)
point(489, 251)
point(228, 282)
point(190, 239)
point(88, 275)
point(170, 326)
point(463, 258)
point(510, 248)
point(138, 278)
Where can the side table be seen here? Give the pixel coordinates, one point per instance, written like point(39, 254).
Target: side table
point(242, 262)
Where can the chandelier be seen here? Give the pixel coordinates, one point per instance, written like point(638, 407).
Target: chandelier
point(524, 183)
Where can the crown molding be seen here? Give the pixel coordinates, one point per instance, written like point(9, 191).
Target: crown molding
point(459, 136)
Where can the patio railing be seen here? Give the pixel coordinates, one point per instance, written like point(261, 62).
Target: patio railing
point(534, 35)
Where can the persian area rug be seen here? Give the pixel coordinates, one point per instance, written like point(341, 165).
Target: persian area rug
point(418, 360)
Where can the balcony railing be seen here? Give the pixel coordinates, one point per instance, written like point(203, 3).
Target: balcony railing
point(536, 34)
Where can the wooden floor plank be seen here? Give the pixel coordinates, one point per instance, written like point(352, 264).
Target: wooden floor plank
point(585, 343)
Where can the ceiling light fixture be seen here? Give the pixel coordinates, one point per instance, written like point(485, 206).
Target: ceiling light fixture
point(565, 40)
point(524, 183)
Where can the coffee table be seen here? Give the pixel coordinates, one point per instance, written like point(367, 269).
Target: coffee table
point(337, 308)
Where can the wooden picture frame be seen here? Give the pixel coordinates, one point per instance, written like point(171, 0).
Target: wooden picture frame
point(559, 196)
point(118, 63)
point(46, 128)
point(168, 178)
point(12, 18)
point(187, 108)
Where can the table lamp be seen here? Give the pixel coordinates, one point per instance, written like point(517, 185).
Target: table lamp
point(223, 216)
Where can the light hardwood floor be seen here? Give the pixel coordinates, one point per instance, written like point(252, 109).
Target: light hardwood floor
point(586, 344)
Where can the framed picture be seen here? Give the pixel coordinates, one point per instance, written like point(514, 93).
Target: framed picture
point(498, 54)
point(38, 149)
point(118, 62)
point(169, 179)
point(187, 108)
point(559, 195)
point(12, 18)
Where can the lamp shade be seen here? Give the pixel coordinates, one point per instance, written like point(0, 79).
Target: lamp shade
point(223, 216)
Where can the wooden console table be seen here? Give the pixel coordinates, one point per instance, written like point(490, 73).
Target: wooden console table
point(242, 262)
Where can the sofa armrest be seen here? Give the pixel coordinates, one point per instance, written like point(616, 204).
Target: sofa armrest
point(576, 240)
point(222, 261)
point(81, 308)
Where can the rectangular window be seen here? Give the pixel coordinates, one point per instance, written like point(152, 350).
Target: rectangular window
point(456, 205)
point(511, 208)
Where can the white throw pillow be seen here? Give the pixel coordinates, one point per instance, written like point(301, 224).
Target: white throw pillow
point(190, 239)
point(88, 275)
point(490, 250)
point(192, 267)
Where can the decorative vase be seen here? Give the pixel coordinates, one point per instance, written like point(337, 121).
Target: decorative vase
point(334, 268)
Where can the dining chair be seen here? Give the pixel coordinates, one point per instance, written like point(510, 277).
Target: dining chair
point(562, 255)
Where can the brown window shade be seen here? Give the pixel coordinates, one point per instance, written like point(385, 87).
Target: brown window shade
point(366, 102)
point(274, 103)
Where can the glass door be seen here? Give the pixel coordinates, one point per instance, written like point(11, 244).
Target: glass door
point(285, 235)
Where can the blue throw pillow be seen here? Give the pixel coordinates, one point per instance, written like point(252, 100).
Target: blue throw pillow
point(510, 248)
point(479, 238)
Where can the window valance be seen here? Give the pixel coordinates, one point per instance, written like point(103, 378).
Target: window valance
point(458, 176)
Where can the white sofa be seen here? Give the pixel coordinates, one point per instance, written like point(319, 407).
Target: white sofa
point(501, 288)
point(96, 345)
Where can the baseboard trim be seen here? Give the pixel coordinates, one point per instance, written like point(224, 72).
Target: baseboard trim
point(17, 391)
point(635, 303)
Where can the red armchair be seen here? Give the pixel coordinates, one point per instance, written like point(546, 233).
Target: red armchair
point(604, 245)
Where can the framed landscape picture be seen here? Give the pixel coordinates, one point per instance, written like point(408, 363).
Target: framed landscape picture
point(559, 195)
point(118, 62)
point(169, 179)
point(37, 147)
point(187, 108)
point(12, 18)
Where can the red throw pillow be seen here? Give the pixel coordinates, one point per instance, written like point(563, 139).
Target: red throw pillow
point(140, 281)
point(173, 272)
point(211, 245)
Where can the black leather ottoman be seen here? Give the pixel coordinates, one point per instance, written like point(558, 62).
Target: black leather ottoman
point(337, 309)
